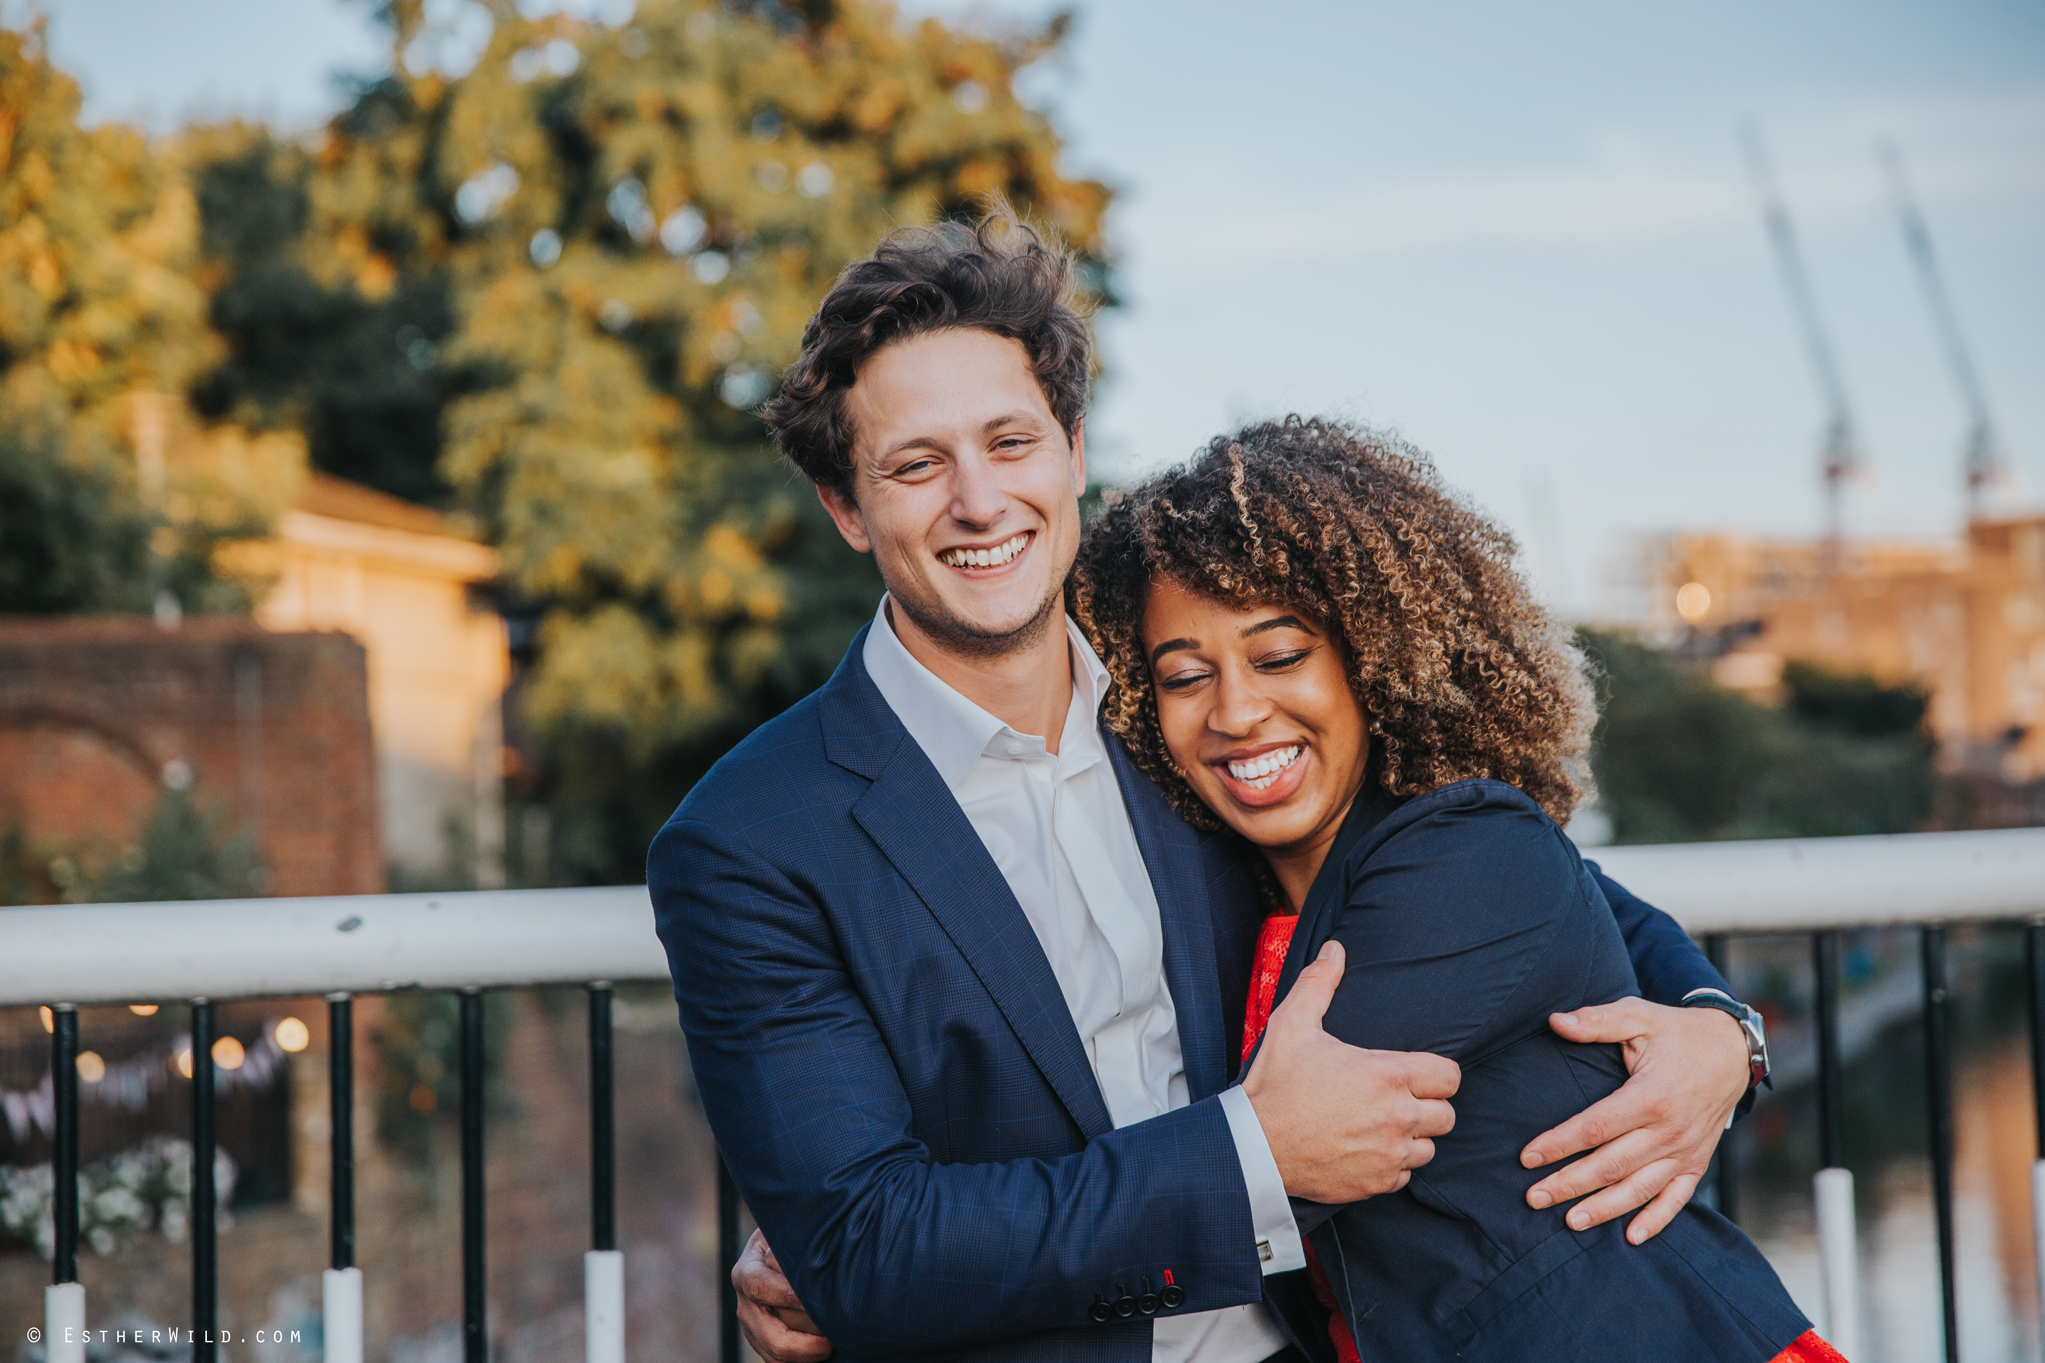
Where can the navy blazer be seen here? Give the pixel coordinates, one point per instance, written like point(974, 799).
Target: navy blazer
point(1468, 918)
point(893, 1076)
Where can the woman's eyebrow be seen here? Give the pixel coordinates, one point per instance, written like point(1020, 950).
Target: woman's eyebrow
point(1276, 622)
point(1168, 646)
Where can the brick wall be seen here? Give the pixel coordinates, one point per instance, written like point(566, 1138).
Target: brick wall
point(272, 729)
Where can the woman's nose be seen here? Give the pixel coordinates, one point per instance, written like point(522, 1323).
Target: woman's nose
point(1239, 705)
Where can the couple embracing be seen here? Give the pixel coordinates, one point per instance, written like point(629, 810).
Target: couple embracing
point(1157, 940)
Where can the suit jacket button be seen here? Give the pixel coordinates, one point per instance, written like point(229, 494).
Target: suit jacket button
point(1147, 1304)
point(1101, 1311)
point(1125, 1306)
point(1172, 1297)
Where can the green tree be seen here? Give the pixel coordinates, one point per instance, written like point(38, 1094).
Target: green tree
point(586, 260)
point(1677, 759)
point(73, 535)
point(182, 852)
point(102, 323)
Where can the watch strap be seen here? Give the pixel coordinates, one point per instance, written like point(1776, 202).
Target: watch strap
point(1757, 1046)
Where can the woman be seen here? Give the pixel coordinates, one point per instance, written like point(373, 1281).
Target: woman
point(1316, 646)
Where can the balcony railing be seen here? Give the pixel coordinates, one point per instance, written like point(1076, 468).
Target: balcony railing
point(467, 943)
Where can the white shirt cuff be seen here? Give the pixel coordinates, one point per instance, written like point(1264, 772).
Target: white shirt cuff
point(1278, 1244)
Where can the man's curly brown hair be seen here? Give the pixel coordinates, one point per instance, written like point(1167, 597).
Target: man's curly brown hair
point(1460, 672)
point(999, 275)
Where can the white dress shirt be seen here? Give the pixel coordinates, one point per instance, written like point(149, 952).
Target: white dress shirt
point(1056, 827)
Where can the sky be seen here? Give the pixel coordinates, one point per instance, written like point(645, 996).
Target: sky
point(1521, 236)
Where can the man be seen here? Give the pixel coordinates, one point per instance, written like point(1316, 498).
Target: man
point(961, 991)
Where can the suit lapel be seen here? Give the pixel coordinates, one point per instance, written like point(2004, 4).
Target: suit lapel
point(1171, 853)
point(917, 824)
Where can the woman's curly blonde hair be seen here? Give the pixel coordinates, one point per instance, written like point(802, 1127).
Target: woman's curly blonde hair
point(1460, 672)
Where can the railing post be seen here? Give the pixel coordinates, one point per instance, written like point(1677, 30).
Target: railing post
point(341, 1284)
point(205, 1282)
point(2034, 994)
point(1939, 1079)
point(64, 1299)
point(727, 1259)
point(603, 1267)
point(1727, 1188)
point(1838, 1255)
point(475, 1341)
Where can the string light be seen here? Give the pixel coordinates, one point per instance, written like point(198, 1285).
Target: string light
point(293, 1035)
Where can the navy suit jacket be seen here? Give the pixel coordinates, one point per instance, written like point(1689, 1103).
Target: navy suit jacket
point(892, 1074)
point(1468, 919)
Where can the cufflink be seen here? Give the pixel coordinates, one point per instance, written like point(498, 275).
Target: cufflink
point(1263, 1251)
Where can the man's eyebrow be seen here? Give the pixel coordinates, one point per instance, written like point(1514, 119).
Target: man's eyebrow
point(1008, 419)
point(1277, 622)
point(1169, 646)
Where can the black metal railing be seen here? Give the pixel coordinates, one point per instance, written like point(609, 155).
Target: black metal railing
point(1825, 957)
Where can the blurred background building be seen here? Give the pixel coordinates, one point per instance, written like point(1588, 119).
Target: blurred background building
point(1963, 622)
point(392, 576)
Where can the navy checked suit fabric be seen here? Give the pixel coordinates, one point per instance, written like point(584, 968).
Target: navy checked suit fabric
point(1469, 919)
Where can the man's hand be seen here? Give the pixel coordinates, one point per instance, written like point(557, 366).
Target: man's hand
point(1344, 1123)
point(1652, 1140)
point(774, 1322)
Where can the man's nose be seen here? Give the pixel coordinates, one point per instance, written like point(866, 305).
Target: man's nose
point(978, 499)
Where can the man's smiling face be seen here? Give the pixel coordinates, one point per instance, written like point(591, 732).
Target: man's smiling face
point(964, 488)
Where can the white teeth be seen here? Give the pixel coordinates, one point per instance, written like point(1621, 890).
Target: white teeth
point(1259, 772)
point(986, 558)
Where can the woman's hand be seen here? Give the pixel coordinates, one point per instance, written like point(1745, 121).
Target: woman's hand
point(774, 1322)
point(1653, 1139)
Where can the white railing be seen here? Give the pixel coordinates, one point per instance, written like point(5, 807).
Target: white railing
point(66, 956)
point(1815, 884)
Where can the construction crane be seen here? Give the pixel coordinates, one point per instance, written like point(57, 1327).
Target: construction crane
point(1982, 460)
point(1841, 458)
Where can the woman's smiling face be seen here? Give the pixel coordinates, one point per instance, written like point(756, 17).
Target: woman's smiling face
point(1257, 711)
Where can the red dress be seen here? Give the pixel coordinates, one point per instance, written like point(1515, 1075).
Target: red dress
point(1272, 944)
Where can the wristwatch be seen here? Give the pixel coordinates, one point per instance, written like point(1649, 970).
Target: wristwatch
point(1750, 1026)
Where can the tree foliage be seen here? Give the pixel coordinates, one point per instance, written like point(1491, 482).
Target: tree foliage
point(183, 851)
point(1678, 759)
point(102, 323)
point(552, 291)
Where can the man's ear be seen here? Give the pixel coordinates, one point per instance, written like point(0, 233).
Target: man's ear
point(1079, 459)
point(845, 515)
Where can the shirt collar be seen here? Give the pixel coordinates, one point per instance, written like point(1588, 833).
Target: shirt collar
point(953, 732)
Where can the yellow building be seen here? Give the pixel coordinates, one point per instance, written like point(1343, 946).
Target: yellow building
point(395, 577)
point(1965, 621)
